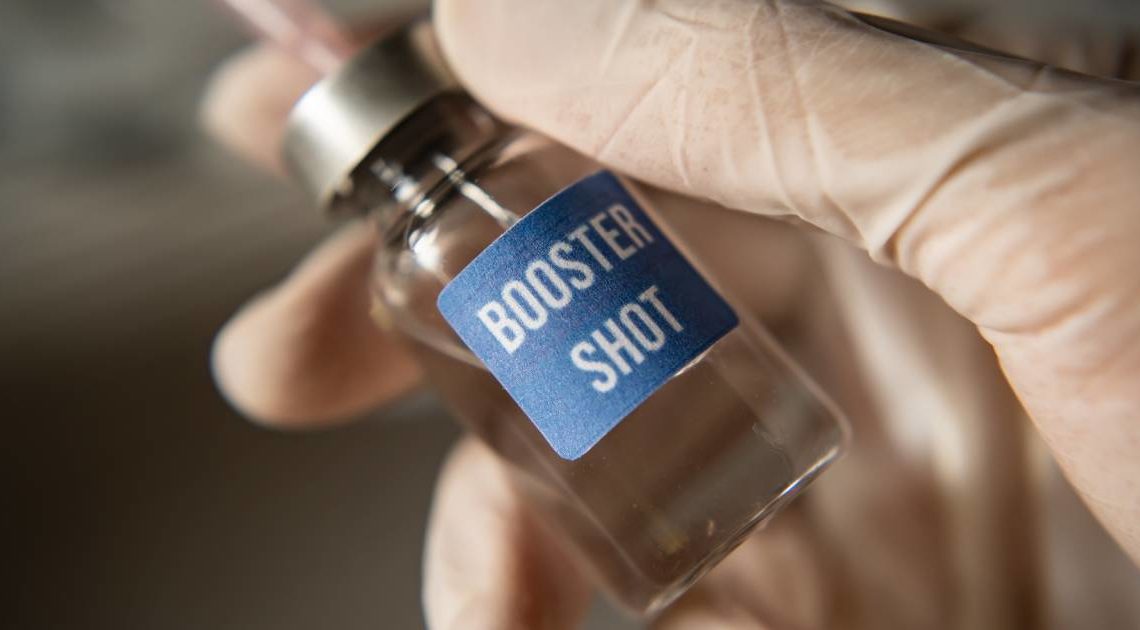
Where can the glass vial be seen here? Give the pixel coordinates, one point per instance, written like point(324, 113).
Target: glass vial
point(679, 481)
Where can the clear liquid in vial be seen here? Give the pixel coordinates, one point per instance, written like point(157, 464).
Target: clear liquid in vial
point(682, 479)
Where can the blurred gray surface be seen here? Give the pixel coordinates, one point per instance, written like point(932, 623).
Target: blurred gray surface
point(136, 498)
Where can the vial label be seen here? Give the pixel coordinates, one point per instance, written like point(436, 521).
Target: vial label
point(583, 309)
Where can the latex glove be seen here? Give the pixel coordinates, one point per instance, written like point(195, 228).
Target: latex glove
point(1008, 189)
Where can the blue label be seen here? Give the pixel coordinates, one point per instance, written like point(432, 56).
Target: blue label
point(582, 310)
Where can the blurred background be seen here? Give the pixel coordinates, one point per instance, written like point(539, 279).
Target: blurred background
point(135, 497)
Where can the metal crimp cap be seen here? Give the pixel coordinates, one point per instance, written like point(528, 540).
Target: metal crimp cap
point(337, 123)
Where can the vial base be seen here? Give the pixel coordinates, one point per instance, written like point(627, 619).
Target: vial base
point(678, 483)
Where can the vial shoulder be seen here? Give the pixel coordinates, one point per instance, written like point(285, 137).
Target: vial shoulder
point(430, 244)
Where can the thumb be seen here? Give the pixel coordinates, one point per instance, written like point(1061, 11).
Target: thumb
point(1009, 188)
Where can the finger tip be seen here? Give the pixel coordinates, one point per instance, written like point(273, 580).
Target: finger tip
point(220, 94)
point(482, 50)
point(247, 99)
point(270, 365)
point(241, 377)
point(308, 352)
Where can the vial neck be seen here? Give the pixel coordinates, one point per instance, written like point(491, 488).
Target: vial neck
point(421, 157)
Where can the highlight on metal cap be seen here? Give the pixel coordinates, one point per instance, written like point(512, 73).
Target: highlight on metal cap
point(335, 125)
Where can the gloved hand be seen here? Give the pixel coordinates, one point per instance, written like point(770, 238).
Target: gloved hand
point(1009, 189)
